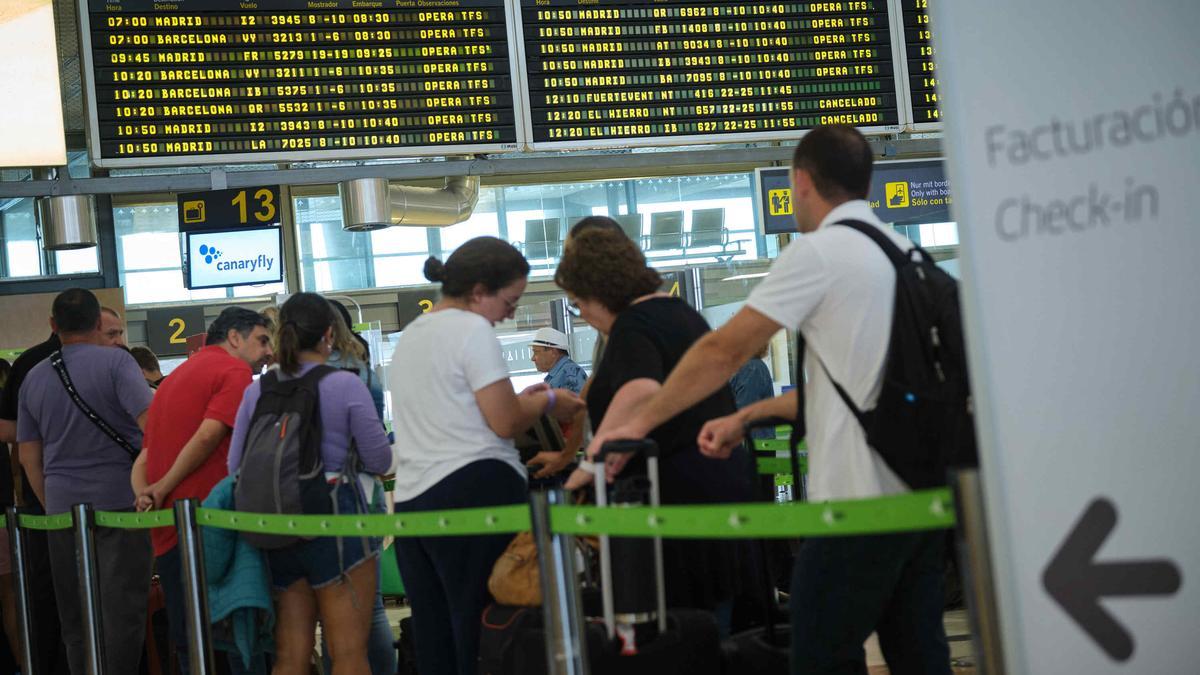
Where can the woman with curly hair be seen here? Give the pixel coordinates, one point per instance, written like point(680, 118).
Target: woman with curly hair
point(606, 276)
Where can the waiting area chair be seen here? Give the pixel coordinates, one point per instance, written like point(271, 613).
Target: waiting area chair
point(631, 225)
point(708, 231)
point(543, 238)
point(666, 231)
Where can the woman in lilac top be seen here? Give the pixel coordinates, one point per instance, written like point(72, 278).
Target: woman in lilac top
point(313, 578)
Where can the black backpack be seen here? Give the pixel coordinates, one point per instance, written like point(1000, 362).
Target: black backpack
point(923, 422)
point(281, 470)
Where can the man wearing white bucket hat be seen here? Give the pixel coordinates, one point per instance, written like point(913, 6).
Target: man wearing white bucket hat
point(551, 356)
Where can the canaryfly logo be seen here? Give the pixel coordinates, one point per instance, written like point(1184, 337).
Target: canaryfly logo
point(235, 257)
point(212, 256)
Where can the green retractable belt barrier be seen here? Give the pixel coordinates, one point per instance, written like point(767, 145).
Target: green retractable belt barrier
point(780, 466)
point(495, 520)
point(135, 521)
point(911, 512)
point(59, 521)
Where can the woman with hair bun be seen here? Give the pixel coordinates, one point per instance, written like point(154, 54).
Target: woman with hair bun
point(455, 415)
point(328, 577)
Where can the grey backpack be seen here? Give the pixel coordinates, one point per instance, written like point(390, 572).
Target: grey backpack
point(281, 470)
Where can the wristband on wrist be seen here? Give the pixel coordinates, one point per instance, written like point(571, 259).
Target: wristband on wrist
point(551, 399)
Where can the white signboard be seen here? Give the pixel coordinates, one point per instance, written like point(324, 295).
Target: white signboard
point(1073, 143)
point(31, 118)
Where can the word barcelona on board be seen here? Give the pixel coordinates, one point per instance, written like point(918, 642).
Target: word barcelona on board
point(256, 79)
point(227, 81)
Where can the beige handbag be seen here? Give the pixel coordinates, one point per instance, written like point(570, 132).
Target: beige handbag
point(515, 578)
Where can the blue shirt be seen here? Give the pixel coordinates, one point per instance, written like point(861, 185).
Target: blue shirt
point(566, 374)
point(751, 384)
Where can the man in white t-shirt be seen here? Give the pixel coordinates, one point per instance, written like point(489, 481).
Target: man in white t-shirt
point(838, 288)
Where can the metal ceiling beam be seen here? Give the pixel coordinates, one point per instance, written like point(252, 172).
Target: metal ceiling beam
point(492, 171)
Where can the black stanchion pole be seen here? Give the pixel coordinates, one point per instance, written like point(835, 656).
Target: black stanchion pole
point(191, 555)
point(566, 642)
point(16, 539)
point(89, 588)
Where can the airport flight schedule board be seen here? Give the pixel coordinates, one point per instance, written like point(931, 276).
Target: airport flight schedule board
point(920, 63)
point(222, 81)
point(605, 73)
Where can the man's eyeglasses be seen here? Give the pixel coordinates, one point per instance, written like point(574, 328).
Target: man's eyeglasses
point(573, 309)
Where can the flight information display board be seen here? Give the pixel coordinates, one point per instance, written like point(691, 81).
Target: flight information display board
point(919, 59)
point(208, 81)
point(605, 73)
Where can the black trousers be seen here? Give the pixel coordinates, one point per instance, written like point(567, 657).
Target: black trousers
point(446, 577)
point(844, 588)
point(123, 562)
point(49, 651)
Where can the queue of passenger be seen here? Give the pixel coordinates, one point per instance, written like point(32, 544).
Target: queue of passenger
point(80, 409)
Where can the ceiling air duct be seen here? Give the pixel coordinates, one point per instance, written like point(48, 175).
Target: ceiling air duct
point(68, 222)
point(373, 203)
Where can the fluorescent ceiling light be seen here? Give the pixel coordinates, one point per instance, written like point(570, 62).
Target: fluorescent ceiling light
point(739, 277)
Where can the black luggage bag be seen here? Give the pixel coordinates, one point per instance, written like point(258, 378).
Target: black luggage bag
point(685, 642)
point(766, 649)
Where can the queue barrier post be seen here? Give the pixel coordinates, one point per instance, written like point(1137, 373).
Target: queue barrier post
point(975, 562)
point(566, 642)
point(89, 588)
point(17, 546)
point(195, 585)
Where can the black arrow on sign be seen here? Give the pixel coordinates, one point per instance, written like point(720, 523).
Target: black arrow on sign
point(1077, 582)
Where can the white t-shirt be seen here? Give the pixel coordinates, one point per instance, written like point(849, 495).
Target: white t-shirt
point(441, 360)
point(838, 288)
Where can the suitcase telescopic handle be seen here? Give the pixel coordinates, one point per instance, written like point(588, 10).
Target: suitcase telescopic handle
point(649, 448)
point(646, 446)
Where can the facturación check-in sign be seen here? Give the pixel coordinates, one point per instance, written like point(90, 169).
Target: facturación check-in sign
point(1073, 144)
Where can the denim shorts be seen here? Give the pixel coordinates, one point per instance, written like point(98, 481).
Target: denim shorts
point(318, 561)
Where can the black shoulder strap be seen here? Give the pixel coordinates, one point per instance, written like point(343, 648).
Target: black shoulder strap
point(799, 426)
point(898, 257)
point(60, 367)
point(319, 372)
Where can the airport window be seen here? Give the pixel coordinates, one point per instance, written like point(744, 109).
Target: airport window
point(332, 259)
point(697, 219)
point(21, 254)
point(677, 221)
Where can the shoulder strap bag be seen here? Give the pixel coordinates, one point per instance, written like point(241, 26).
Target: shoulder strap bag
point(60, 367)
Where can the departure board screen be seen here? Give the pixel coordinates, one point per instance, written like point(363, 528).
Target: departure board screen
point(922, 75)
point(271, 80)
point(605, 73)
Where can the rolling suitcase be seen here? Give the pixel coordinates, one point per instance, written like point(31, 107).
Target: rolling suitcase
point(646, 636)
point(653, 640)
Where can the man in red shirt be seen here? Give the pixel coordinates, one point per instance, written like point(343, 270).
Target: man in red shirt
point(187, 437)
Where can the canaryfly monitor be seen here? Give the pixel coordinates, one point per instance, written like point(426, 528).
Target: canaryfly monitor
point(233, 258)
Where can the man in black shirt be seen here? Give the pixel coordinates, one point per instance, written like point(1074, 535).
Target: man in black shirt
point(8, 402)
point(48, 651)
